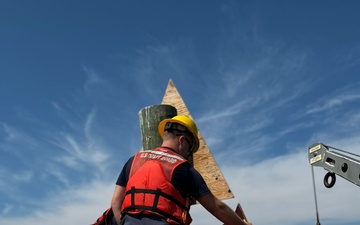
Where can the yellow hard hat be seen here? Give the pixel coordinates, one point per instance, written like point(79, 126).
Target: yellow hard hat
point(184, 121)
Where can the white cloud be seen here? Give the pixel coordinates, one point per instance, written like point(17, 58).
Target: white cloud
point(15, 136)
point(295, 128)
point(280, 191)
point(80, 146)
point(57, 172)
point(10, 133)
point(24, 176)
point(77, 205)
point(93, 78)
point(7, 208)
point(327, 104)
point(89, 124)
point(347, 58)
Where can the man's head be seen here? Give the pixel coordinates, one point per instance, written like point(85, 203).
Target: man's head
point(184, 128)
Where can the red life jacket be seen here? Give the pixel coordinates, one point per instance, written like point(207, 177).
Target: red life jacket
point(149, 189)
point(105, 218)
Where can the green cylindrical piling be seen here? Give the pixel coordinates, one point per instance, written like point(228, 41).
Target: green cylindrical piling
point(150, 118)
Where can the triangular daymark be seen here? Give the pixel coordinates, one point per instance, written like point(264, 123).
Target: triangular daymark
point(203, 160)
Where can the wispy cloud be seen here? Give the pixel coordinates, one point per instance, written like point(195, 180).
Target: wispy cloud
point(81, 146)
point(24, 176)
point(331, 103)
point(296, 127)
point(7, 208)
point(57, 172)
point(50, 152)
point(347, 58)
point(14, 136)
point(79, 204)
point(93, 78)
point(255, 96)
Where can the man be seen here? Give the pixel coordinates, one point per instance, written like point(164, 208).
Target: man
point(154, 187)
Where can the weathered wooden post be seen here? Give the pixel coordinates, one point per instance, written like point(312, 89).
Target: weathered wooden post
point(150, 118)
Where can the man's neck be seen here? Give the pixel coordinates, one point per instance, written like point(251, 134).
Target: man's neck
point(171, 149)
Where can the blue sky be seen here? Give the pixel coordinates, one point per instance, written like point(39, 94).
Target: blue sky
point(262, 79)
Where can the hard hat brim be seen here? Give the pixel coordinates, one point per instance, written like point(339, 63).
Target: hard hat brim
point(162, 124)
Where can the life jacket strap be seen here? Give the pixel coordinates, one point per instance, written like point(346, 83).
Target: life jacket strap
point(157, 192)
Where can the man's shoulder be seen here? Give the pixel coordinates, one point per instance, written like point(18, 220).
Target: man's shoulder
point(185, 167)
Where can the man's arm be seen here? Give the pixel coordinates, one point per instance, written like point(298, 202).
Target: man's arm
point(220, 210)
point(116, 202)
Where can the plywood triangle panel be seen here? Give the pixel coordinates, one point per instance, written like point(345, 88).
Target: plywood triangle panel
point(203, 160)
